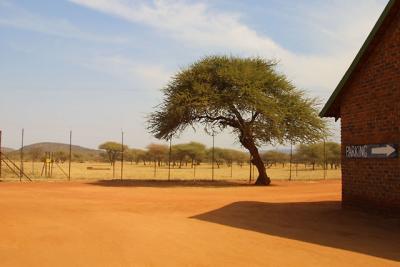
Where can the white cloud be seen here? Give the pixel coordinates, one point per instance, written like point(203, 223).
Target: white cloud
point(16, 17)
point(346, 23)
point(199, 25)
point(141, 75)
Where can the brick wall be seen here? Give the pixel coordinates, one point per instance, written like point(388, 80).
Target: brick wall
point(370, 114)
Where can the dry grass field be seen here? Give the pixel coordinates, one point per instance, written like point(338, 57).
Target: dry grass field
point(80, 171)
point(141, 223)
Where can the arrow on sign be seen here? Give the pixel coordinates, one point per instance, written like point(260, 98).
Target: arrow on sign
point(385, 150)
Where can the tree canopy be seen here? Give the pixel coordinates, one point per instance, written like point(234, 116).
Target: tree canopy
point(247, 95)
point(317, 154)
point(112, 149)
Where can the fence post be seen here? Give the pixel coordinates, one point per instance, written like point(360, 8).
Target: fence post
point(1, 155)
point(231, 169)
point(194, 172)
point(213, 156)
point(169, 158)
point(325, 171)
point(22, 155)
point(155, 167)
point(122, 154)
point(290, 163)
point(250, 169)
point(70, 155)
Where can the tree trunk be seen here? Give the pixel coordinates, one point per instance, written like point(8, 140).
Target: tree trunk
point(113, 167)
point(262, 178)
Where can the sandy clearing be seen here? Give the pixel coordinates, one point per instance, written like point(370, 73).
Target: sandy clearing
point(173, 224)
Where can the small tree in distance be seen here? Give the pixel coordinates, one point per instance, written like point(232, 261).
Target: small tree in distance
point(247, 96)
point(113, 149)
point(273, 157)
point(157, 152)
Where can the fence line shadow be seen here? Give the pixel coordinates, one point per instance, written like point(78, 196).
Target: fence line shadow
point(322, 223)
point(171, 183)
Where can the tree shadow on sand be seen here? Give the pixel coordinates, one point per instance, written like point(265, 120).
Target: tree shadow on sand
point(172, 183)
point(322, 223)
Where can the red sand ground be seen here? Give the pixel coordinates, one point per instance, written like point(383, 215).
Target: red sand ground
point(161, 224)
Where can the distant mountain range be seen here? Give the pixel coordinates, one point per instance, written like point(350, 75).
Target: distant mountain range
point(81, 152)
point(57, 147)
point(7, 149)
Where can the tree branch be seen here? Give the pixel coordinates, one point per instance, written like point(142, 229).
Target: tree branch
point(238, 116)
point(254, 117)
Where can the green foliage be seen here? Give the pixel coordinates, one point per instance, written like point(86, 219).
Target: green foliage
point(193, 151)
point(333, 152)
point(240, 157)
point(273, 157)
point(157, 152)
point(220, 155)
point(248, 95)
point(314, 154)
point(112, 149)
point(227, 156)
point(134, 155)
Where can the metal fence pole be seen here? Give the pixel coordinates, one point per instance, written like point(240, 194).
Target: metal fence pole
point(194, 172)
point(250, 169)
point(169, 158)
point(213, 156)
point(122, 154)
point(70, 155)
point(1, 155)
point(155, 167)
point(231, 169)
point(325, 171)
point(290, 163)
point(22, 156)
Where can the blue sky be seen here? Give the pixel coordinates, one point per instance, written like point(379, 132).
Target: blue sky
point(97, 66)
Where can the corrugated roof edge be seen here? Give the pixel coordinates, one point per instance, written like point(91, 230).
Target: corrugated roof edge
point(357, 59)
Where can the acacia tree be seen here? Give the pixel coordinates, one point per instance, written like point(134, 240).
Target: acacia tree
point(247, 95)
point(157, 152)
point(113, 149)
point(312, 154)
point(333, 154)
point(195, 151)
point(134, 155)
point(240, 157)
point(273, 157)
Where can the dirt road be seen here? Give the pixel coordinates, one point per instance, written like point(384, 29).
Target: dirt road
point(162, 224)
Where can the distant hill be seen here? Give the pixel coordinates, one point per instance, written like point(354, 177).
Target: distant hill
point(7, 149)
point(78, 152)
point(56, 147)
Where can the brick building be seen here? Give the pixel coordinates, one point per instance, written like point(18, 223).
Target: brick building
point(367, 100)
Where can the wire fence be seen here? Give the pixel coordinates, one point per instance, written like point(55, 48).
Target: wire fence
point(289, 167)
point(96, 170)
